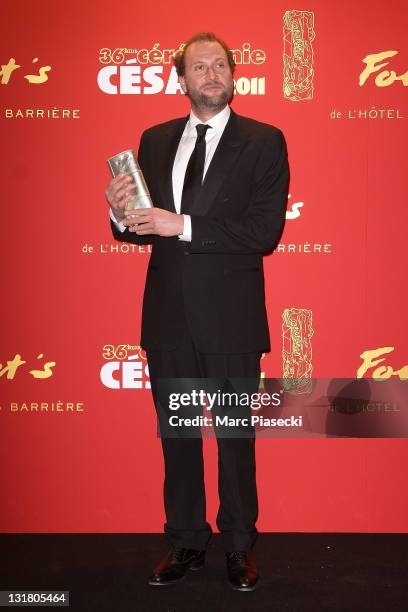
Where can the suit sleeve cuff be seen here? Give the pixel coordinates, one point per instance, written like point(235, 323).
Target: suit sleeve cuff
point(186, 235)
point(119, 225)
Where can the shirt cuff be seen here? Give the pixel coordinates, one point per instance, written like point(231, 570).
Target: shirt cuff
point(186, 235)
point(119, 225)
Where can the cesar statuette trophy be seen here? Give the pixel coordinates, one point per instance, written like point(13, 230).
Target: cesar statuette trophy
point(126, 163)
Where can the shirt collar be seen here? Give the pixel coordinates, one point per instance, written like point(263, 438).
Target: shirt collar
point(218, 122)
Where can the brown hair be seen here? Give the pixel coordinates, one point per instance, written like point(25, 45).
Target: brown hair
point(179, 56)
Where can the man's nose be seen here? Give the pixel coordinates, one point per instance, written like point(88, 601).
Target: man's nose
point(211, 72)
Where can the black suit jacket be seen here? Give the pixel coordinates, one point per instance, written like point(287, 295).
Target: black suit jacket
point(214, 286)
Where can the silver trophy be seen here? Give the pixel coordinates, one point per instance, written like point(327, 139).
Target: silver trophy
point(126, 163)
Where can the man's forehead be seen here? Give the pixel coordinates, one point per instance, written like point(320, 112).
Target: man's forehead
point(202, 49)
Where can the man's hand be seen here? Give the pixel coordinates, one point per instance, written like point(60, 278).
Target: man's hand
point(153, 221)
point(118, 193)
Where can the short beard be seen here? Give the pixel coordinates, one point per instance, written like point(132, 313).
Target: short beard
point(208, 102)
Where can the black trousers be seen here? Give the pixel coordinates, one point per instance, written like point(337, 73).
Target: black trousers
point(184, 491)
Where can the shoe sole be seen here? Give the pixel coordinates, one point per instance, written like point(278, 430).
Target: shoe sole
point(193, 568)
point(243, 588)
point(237, 588)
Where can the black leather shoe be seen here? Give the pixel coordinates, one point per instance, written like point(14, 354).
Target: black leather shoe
point(175, 564)
point(242, 570)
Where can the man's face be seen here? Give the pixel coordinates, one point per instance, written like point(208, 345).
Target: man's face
point(208, 78)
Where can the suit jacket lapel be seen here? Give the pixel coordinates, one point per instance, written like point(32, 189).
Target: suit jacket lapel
point(165, 161)
point(225, 156)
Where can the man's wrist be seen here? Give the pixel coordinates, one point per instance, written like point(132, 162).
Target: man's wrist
point(186, 233)
point(118, 224)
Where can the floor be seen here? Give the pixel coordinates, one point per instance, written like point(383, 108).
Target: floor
point(299, 572)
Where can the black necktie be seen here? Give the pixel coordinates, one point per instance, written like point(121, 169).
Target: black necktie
point(194, 172)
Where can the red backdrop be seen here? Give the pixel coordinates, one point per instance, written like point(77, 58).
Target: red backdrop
point(72, 298)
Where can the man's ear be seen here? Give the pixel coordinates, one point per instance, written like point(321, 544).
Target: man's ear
point(182, 82)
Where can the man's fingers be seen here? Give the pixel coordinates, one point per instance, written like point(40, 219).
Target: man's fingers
point(121, 194)
point(121, 178)
point(136, 220)
point(122, 187)
point(144, 229)
point(119, 184)
point(142, 212)
point(136, 226)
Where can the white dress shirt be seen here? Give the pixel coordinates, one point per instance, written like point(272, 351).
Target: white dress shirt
point(183, 154)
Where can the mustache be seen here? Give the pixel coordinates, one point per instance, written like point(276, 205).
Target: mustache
point(213, 85)
point(214, 82)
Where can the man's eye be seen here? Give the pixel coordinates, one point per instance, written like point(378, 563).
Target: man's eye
point(199, 67)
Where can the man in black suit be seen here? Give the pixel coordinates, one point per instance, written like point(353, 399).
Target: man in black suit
point(219, 184)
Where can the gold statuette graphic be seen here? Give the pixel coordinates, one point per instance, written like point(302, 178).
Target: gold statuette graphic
point(298, 34)
point(126, 163)
point(297, 350)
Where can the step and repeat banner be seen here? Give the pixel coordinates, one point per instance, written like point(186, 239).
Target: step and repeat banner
point(79, 83)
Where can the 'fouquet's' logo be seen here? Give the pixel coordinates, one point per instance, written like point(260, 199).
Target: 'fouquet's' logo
point(11, 66)
point(11, 367)
point(372, 359)
point(294, 213)
point(385, 77)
